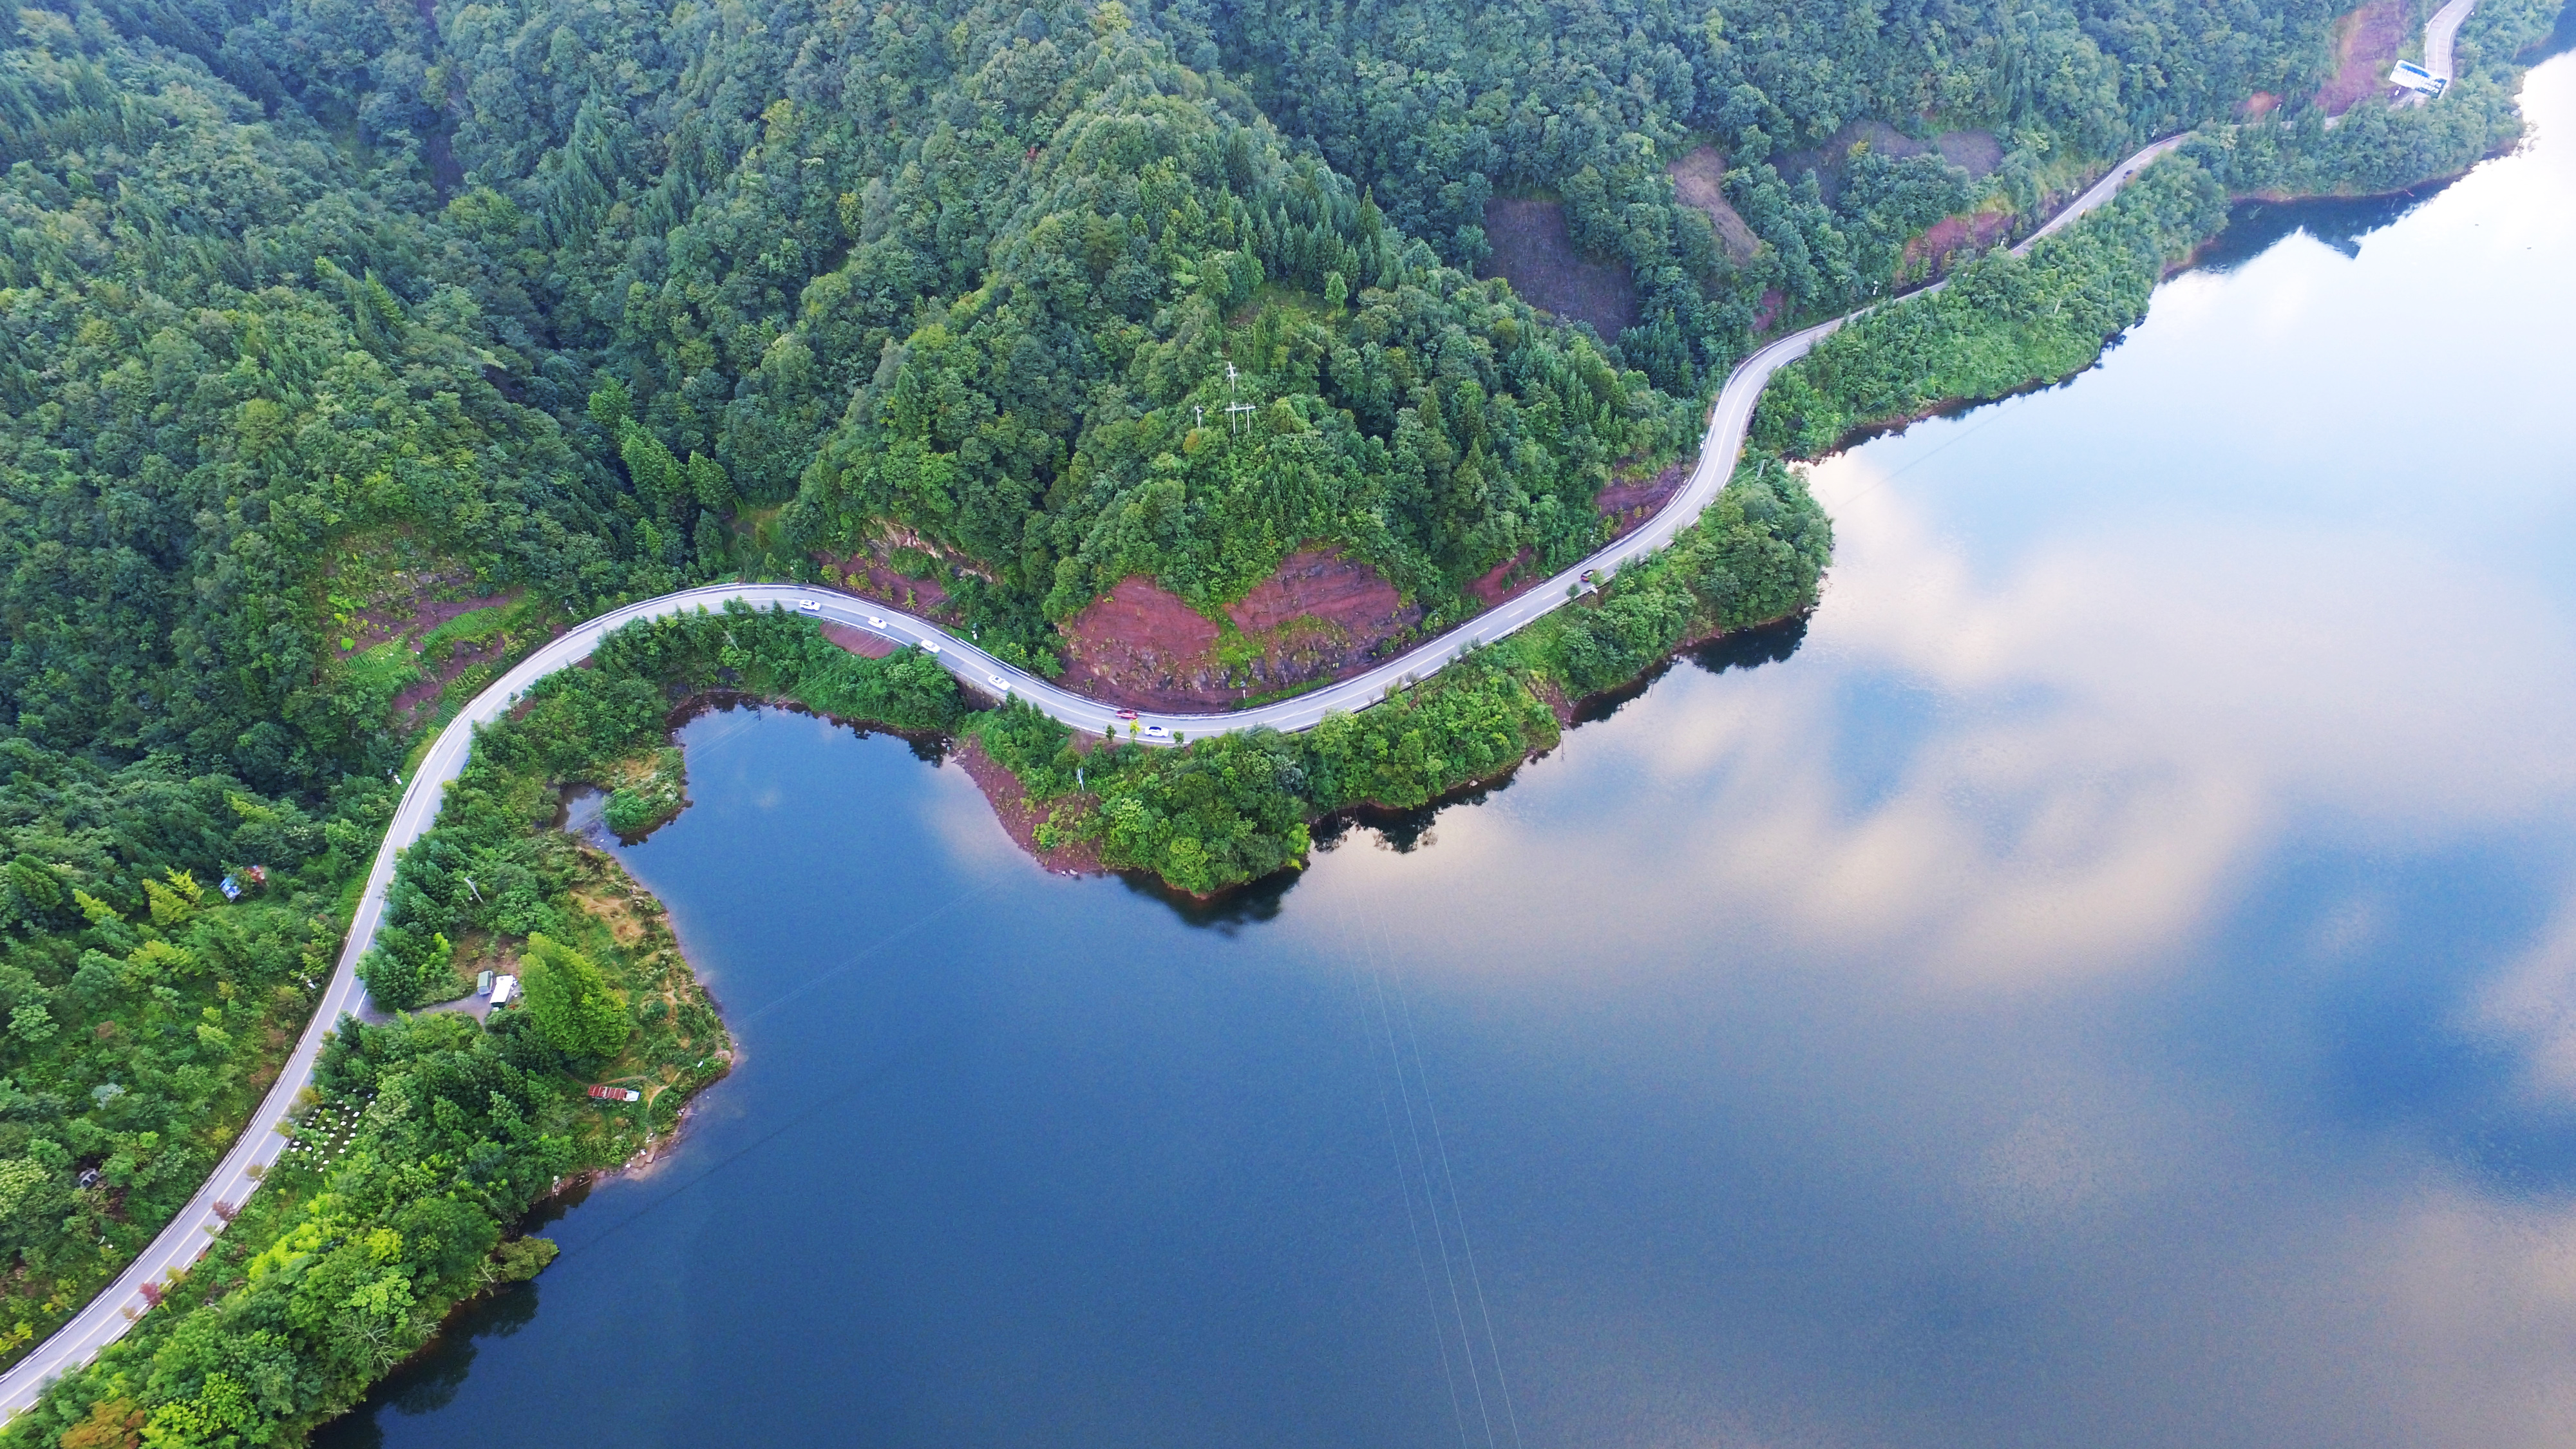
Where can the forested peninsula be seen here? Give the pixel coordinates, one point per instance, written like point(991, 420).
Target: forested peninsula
point(1191, 350)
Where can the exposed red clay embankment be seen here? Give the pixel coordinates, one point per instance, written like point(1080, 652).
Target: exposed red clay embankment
point(1019, 818)
point(1627, 504)
point(2366, 42)
point(1317, 617)
point(859, 641)
point(1699, 180)
point(1972, 234)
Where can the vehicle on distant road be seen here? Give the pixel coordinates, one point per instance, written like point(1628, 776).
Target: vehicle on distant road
point(875, 623)
point(999, 683)
point(810, 606)
point(929, 646)
point(1126, 714)
point(1157, 732)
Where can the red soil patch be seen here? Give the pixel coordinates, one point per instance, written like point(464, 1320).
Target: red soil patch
point(1138, 645)
point(422, 694)
point(1628, 504)
point(1952, 234)
point(1318, 617)
point(413, 610)
point(1321, 584)
point(2258, 105)
point(1699, 181)
point(1632, 503)
point(1504, 579)
point(1534, 252)
point(2366, 42)
point(858, 641)
point(867, 575)
point(1019, 816)
point(1768, 312)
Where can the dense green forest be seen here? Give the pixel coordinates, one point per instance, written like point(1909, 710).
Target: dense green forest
point(420, 1144)
point(2001, 323)
point(346, 349)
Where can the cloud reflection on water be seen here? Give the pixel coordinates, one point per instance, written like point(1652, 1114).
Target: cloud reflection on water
point(2129, 954)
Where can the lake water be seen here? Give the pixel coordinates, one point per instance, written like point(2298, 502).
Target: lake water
point(2113, 984)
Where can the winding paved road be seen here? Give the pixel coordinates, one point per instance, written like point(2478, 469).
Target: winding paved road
point(2439, 32)
point(107, 1316)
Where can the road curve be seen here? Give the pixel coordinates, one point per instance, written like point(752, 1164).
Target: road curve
point(113, 1311)
point(2439, 33)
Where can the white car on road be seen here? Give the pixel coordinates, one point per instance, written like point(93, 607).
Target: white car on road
point(810, 606)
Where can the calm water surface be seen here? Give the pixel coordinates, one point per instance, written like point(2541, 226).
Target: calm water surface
point(2114, 984)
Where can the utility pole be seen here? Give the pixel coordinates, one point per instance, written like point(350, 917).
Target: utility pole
point(1231, 406)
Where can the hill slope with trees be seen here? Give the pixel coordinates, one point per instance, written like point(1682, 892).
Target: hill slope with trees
point(346, 349)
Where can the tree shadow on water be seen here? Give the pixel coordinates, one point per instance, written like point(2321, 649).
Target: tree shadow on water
point(2560, 40)
point(1408, 830)
point(430, 1379)
point(1744, 649)
point(1752, 648)
point(1226, 912)
point(2255, 227)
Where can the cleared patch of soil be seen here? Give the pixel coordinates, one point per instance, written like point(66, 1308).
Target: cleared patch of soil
point(2258, 105)
point(1140, 646)
point(1533, 250)
point(1767, 315)
point(2366, 43)
point(867, 575)
point(1019, 816)
point(1699, 180)
point(1317, 617)
point(413, 705)
point(1319, 583)
point(1505, 579)
point(1953, 235)
point(858, 641)
point(407, 604)
point(1976, 152)
point(1630, 503)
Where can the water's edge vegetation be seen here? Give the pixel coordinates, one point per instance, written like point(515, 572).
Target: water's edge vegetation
point(430, 1138)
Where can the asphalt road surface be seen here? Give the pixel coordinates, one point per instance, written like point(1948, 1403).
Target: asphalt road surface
point(2439, 32)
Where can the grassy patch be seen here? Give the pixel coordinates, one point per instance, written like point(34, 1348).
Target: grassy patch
point(647, 790)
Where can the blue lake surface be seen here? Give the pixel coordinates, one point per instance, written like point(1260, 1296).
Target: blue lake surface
point(2114, 983)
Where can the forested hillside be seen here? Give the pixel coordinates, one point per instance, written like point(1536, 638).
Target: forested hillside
point(344, 349)
point(571, 296)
